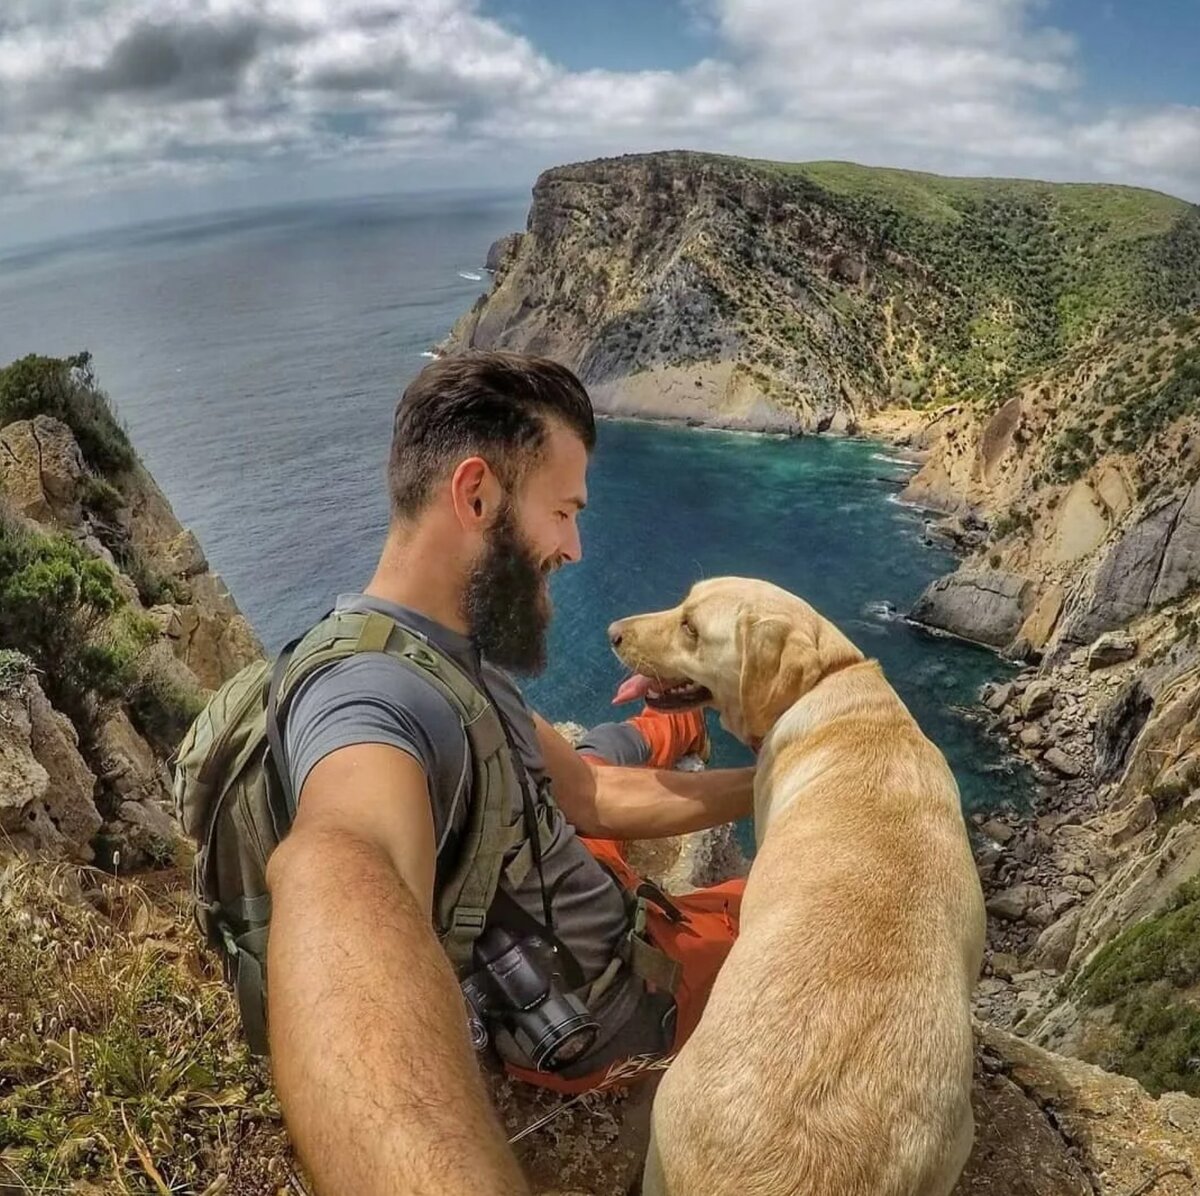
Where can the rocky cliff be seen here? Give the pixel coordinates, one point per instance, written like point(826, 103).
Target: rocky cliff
point(1079, 500)
point(112, 626)
point(797, 297)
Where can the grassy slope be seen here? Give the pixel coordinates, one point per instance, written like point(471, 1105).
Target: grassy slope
point(121, 1064)
point(970, 286)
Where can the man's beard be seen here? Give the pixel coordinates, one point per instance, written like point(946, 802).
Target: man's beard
point(507, 604)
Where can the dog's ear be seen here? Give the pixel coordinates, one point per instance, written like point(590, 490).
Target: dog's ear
point(781, 660)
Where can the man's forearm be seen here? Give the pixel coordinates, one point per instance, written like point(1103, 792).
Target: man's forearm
point(380, 1089)
point(642, 803)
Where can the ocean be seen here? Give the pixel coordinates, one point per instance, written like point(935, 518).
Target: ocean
point(256, 359)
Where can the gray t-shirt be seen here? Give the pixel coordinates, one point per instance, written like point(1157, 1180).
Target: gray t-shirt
point(371, 698)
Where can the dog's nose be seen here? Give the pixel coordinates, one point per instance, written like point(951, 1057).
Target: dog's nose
point(614, 634)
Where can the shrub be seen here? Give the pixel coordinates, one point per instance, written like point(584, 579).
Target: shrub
point(63, 609)
point(100, 497)
point(162, 708)
point(65, 388)
point(1146, 974)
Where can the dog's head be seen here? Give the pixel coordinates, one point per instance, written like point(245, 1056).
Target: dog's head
point(747, 648)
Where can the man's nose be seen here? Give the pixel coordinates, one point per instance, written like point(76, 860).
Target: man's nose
point(615, 634)
point(571, 550)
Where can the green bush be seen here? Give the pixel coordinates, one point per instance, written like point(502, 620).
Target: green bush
point(62, 608)
point(1147, 974)
point(153, 587)
point(100, 497)
point(65, 388)
point(162, 709)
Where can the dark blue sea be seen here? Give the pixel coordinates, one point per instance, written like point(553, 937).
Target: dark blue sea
point(256, 359)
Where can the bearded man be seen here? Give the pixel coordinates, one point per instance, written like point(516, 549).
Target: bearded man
point(370, 1034)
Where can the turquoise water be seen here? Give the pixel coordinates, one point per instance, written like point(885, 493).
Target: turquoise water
point(256, 361)
point(671, 505)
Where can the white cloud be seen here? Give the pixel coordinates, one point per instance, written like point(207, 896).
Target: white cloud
point(100, 94)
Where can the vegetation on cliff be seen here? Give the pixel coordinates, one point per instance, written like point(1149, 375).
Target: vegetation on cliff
point(1148, 975)
point(833, 284)
point(60, 604)
point(122, 1068)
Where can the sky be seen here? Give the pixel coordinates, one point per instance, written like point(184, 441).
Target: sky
point(117, 111)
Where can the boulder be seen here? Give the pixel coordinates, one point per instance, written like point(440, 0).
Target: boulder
point(1013, 904)
point(1046, 1125)
point(1031, 736)
point(996, 697)
point(127, 762)
point(984, 605)
point(46, 789)
point(1037, 698)
point(1113, 647)
point(995, 829)
point(41, 470)
point(1062, 763)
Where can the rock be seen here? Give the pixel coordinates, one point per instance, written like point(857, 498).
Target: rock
point(1031, 736)
point(1063, 901)
point(1056, 942)
point(1113, 647)
point(1141, 817)
point(1117, 726)
point(46, 789)
point(146, 831)
point(501, 252)
point(128, 763)
point(1039, 625)
point(213, 644)
point(1005, 965)
point(1000, 831)
point(996, 697)
point(182, 556)
point(1156, 560)
point(41, 469)
point(1080, 524)
point(984, 605)
point(1013, 904)
point(1061, 762)
point(1037, 698)
point(1040, 915)
point(1046, 1125)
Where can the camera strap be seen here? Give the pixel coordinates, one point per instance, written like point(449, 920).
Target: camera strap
point(513, 916)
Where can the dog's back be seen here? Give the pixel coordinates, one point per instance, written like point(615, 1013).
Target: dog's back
point(835, 1056)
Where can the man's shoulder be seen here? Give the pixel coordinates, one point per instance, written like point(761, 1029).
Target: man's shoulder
point(371, 697)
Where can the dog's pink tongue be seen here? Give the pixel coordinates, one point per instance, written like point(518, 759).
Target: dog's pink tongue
point(631, 689)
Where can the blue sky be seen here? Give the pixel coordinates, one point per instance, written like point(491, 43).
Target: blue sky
point(133, 109)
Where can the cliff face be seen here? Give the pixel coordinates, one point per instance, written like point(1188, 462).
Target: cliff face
point(108, 608)
point(1086, 483)
point(767, 295)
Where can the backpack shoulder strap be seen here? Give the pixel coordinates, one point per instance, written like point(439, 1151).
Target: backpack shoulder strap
point(467, 894)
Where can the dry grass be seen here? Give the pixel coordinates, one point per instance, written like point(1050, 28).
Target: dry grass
point(121, 1064)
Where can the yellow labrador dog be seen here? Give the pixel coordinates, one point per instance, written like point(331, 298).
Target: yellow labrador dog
point(834, 1057)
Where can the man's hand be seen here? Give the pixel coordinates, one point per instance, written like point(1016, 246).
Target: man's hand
point(379, 1087)
point(609, 802)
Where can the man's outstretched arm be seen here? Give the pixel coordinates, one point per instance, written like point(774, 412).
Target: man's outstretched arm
point(379, 1086)
point(641, 803)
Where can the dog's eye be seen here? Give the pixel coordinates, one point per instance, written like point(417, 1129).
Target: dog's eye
point(689, 628)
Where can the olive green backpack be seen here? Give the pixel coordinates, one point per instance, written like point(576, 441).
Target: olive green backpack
point(237, 804)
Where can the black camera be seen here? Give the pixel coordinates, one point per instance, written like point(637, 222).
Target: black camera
point(519, 985)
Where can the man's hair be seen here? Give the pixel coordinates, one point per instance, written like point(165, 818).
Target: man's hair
point(494, 405)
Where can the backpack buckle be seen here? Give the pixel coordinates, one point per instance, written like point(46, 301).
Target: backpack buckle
point(467, 919)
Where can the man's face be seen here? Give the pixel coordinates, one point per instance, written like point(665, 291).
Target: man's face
point(507, 599)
